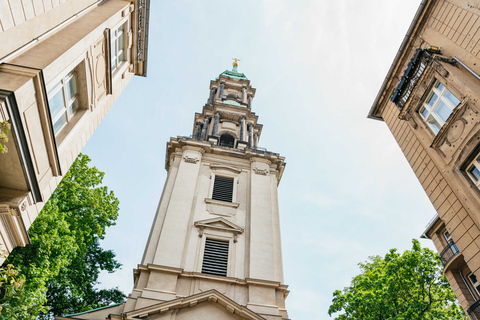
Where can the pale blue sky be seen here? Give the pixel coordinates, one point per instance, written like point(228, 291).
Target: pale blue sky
point(347, 192)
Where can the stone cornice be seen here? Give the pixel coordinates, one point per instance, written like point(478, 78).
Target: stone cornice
point(224, 167)
point(210, 296)
point(157, 267)
point(178, 143)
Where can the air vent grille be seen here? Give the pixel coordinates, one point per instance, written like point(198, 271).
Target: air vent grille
point(223, 189)
point(215, 257)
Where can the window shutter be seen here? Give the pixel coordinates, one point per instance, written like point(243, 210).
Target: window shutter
point(223, 189)
point(215, 257)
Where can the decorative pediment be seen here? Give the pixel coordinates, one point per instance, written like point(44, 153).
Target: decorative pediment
point(218, 224)
point(188, 304)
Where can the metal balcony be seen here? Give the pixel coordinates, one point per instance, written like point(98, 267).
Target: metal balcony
point(474, 311)
point(448, 253)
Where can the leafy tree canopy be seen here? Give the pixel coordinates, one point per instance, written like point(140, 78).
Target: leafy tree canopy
point(63, 261)
point(410, 285)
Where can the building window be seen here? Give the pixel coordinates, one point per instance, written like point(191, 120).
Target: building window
point(223, 189)
point(473, 170)
point(474, 282)
point(63, 101)
point(215, 257)
point(227, 140)
point(450, 242)
point(117, 46)
point(438, 106)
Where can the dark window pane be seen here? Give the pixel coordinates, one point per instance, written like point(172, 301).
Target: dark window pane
point(474, 172)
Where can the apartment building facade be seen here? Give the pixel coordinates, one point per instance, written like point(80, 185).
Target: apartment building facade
point(63, 63)
point(430, 101)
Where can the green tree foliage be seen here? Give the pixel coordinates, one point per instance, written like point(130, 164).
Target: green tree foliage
point(399, 286)
point(4, 127)
point(63, 261)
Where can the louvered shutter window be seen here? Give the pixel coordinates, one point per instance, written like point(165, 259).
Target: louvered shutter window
point(215, 257)
point(223, 189)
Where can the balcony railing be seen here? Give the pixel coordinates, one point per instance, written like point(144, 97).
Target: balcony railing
point(448, 253)
point(474, 311)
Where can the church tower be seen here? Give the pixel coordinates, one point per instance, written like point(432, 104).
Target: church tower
point(214, 247)
point(214, 250)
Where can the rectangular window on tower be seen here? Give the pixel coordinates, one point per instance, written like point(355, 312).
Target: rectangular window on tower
point(215, 257)
point(223, 189)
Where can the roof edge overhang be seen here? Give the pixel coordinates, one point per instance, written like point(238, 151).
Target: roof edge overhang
point(414, 26)
point(429, 227)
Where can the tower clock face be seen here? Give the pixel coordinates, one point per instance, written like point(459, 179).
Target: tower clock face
point(232, 102)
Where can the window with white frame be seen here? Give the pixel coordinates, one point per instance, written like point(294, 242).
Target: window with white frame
point(438, 106)
point(215, 257)
point(473, 170)
point(117, 45)
point(63, 101)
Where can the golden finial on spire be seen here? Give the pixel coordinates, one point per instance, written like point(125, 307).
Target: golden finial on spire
point(235, 63)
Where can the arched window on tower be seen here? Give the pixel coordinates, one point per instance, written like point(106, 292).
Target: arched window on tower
point(227, 140)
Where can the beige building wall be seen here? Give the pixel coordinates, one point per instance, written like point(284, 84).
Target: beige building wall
point(440, 160)
point(65, 62)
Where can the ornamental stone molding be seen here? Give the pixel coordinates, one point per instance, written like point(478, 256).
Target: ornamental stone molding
point(217, 224)
point(198, 149)
point(221, 208)
point(224, 167)
point(192, 154)
point(256, 159)
point(190, 160)
point(263, 172)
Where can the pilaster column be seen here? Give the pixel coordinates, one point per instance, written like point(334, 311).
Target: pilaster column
point(198, 125)
point(242, 128)
point(215, 123)
point(205, 128)
point(250, 135)
point(220, 92)
point(212, 95)
point(250, 98)
point(244, 94)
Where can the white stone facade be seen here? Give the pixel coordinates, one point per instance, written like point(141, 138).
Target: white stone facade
point(170, 282)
